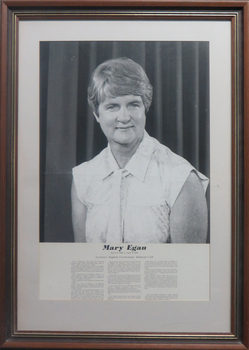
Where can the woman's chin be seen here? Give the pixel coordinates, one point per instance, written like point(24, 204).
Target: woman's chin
point(125, 137)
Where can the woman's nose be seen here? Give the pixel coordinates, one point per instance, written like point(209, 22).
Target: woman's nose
point(123, 115)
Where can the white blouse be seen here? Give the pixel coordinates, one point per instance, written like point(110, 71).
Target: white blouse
point(133, 204)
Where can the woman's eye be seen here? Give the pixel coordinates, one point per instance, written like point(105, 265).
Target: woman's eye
point(133, 106)
point(112, 108)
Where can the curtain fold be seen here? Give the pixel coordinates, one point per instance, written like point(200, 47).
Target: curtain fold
point(179, 111)
point(158, 93)
point(196, 103)
point(90, 118)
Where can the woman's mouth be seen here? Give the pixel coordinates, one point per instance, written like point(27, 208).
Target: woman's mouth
point(124, 127)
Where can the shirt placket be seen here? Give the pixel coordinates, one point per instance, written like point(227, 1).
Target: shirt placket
point(123, 200)
point(115, 231)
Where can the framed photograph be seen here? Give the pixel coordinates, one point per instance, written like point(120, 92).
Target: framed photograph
point(123, 165)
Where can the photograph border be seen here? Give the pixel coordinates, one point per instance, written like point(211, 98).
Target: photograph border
point(15, 11)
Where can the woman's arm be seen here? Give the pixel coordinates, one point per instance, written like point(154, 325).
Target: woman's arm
point(79, 211)
point(189, 216)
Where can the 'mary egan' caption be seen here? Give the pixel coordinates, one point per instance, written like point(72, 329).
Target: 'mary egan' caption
point(120, 248)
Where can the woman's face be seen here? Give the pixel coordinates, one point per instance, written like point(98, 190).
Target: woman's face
point(122, 119)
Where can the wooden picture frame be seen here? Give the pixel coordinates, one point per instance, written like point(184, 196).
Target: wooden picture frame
point(13, 12)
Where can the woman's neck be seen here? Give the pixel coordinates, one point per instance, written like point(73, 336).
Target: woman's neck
point(123, 153)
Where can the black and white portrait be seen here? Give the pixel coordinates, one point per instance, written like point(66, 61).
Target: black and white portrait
point(124, 142)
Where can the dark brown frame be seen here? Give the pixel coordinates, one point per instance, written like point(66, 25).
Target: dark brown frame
point(12, 11)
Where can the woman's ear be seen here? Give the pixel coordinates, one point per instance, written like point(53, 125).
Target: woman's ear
point(96, 117)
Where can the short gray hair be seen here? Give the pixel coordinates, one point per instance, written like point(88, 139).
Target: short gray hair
point(119, 77)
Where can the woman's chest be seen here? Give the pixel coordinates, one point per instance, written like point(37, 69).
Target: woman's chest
point(128, 210)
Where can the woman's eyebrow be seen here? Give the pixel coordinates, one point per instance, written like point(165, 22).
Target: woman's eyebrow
point(107, 104)
point(135, 101)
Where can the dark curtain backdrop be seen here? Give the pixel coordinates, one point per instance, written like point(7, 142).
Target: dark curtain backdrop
point(178, 117)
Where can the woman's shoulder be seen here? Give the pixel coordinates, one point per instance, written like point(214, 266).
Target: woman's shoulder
point(175, 170)
point(92, 165)
point(167, 158)
point(87, 173)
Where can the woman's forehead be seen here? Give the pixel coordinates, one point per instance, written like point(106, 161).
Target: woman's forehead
point(122, 99)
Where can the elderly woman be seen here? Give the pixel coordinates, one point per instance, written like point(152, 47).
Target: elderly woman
point(136, 190)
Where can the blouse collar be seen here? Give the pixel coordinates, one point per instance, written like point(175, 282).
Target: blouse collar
point(139, 162)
